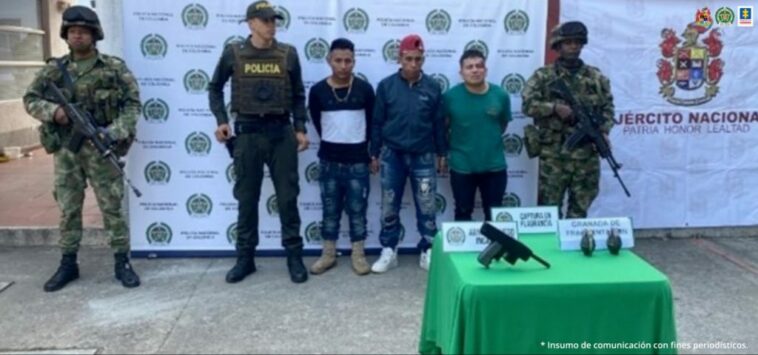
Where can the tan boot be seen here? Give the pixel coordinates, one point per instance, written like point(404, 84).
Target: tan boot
point(358, 257)
point(328, 258)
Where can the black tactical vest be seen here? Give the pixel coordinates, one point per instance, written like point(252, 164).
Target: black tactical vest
point(261, 83)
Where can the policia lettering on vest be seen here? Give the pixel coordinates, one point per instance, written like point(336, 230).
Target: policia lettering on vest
point(267, 88)
point(262, 69)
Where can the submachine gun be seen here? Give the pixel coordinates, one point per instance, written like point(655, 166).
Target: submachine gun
point(504, 246)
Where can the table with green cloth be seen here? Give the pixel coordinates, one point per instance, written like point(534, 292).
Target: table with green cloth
point(599, 304)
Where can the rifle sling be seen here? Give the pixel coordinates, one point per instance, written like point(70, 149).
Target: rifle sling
point(67, 82)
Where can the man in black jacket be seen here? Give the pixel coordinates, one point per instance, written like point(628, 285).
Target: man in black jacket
point(408, 131)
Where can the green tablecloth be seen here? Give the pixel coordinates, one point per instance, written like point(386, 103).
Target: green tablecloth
point(602, 304)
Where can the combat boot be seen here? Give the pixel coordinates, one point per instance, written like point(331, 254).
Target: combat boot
point(245, 266)
point(124, 271)
point(298, 272)
point(328, 258)
point(358, 257)
point(68, 271)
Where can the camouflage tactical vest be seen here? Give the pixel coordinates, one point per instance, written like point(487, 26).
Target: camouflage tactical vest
point(96, 90)
point(260, 83)
point(585, 86)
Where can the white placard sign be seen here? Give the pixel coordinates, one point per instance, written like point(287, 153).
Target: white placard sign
point(466, 236)
point(543, 219)
point(570, 231)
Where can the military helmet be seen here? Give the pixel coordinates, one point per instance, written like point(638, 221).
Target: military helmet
point(81, 16)
point(568, 30)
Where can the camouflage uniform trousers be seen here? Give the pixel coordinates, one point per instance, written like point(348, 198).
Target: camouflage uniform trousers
point(561, 172)
point(72, 170)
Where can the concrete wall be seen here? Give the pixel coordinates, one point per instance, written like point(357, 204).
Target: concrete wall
point(57, 45)
point(16, 127)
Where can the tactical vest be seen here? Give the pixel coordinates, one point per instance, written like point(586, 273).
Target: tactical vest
point(547, 142)
point(96, 91)
point(585, 88)
point(261, 83)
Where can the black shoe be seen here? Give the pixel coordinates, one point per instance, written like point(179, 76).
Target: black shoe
point(245, 266)
point(124, 271)
point(68, 271)
point(298, 272)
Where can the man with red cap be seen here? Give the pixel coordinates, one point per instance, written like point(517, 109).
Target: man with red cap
point(407, 138)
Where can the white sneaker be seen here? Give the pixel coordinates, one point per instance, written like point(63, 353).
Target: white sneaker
point(387, 260)
point(425, 259)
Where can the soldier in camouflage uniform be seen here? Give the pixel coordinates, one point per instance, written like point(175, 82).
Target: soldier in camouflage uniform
point(103, 86)
point(577, 171)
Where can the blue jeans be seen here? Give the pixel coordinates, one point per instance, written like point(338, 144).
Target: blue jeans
point(397, 167)
point(344, 186)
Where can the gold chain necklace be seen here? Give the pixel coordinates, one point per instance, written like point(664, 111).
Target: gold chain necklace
point(349, 89)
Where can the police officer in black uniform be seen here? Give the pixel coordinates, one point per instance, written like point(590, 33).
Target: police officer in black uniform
point(267, 88)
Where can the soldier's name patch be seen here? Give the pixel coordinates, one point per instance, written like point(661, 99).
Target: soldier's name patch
point(262, 68)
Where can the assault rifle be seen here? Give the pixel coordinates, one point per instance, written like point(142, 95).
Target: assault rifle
point(85, 129)
point(587, 126)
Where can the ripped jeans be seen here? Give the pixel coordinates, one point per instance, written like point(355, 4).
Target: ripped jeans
point(397, 167)
point(344, 187)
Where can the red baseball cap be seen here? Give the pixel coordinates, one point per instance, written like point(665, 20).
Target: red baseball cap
point(411, 42)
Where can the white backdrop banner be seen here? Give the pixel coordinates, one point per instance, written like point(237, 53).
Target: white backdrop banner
point(173, 46)
point(686, 110)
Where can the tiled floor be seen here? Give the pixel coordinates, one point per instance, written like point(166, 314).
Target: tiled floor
point(26, 194)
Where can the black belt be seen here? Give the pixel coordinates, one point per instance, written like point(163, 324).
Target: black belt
point(274, 128)
point(263, 117)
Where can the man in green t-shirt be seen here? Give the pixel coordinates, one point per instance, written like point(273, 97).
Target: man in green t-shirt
point(478, 113)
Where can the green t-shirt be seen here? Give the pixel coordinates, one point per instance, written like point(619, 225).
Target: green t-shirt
point(477, 122)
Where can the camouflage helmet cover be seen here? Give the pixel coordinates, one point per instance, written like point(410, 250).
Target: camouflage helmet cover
point(568, 30)
point(81, 16)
